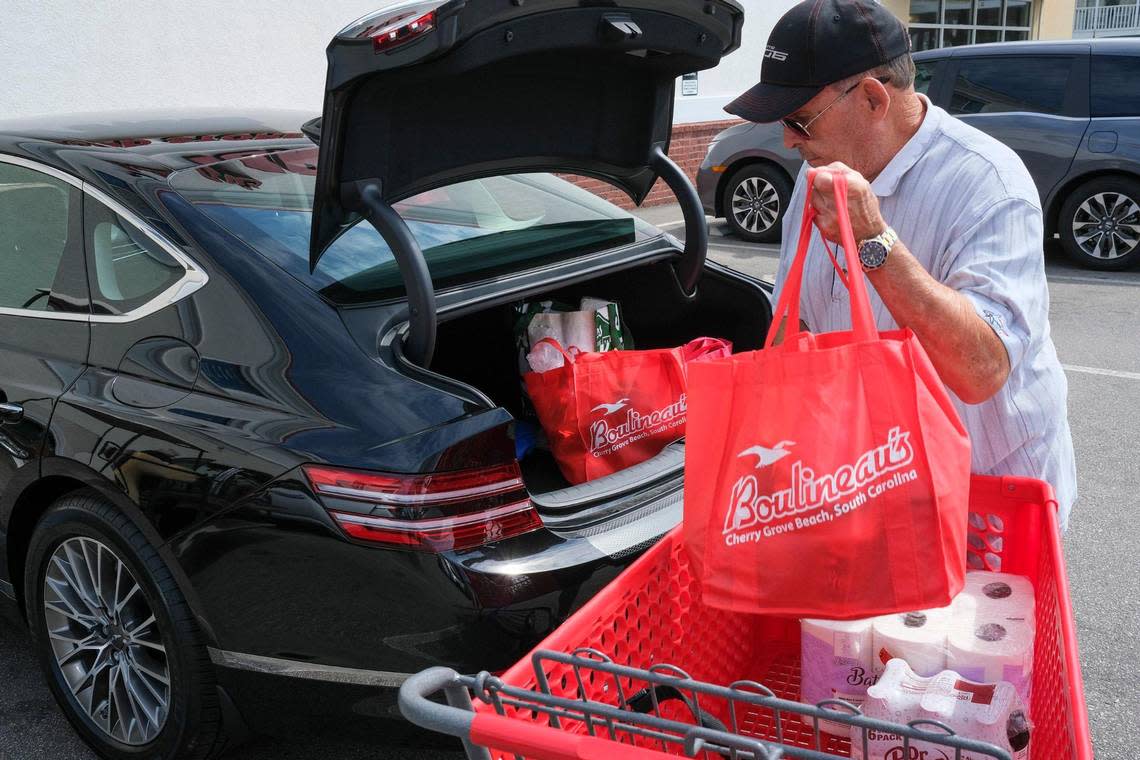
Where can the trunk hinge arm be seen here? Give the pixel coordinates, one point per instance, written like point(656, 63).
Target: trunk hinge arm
point(692, 262)
point(365, 197)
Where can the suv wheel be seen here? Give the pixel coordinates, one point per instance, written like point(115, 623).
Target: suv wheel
point(117, 641)
point(1100, 223)
point(755, 199)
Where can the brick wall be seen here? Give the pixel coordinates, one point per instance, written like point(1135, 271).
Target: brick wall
point(688, 146)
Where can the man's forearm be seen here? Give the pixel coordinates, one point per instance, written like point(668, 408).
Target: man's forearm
point(969, 357)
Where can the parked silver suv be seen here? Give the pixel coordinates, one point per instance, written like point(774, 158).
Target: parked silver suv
point(1070, 109)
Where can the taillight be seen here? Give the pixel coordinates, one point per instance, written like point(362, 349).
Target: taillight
point(393, 27)
point(389, 38)
point(437, 512)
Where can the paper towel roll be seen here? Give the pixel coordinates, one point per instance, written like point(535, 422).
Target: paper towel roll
point(1001, 595)
point(917, 637)
point(572, 329)
point(992, 652)
point(835, 663)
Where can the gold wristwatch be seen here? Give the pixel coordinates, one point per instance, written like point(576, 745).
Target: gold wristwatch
point(873, 251)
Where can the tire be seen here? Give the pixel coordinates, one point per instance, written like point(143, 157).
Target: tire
point(1100, 223)
point(116, 706)
point(754, 201)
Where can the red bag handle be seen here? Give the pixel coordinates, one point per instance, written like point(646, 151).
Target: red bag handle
point(862, 319)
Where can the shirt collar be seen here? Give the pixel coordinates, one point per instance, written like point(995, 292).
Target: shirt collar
point(888, 180)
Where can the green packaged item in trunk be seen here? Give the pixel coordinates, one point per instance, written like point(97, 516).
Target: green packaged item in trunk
point(611, 332)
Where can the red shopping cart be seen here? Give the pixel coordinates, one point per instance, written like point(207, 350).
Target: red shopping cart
point(645, 670)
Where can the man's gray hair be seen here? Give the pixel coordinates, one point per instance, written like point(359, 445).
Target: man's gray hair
point(898, 73)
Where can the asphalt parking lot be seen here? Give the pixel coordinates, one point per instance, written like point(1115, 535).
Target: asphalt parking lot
point(1096, 323)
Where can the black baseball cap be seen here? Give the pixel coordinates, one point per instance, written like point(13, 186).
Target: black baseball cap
point(817, 43)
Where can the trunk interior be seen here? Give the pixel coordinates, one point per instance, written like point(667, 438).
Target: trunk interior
point(479, 349)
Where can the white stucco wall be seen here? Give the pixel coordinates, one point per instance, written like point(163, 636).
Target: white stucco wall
point(738, 71)
point(62, 56)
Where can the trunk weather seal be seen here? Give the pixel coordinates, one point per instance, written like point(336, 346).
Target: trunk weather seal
point(395, 336)
point(394, 341)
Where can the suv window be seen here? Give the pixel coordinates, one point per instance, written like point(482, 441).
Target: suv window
point(35, 232)
point(1114, 91)
point(468, 231)
point(1010, 83)
point(127, 268)
point(924, 75)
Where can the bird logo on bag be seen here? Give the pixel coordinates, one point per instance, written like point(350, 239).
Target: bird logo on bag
point(611, 408)
point(767, 456)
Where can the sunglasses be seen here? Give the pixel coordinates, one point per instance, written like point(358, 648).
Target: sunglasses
point(801, 129)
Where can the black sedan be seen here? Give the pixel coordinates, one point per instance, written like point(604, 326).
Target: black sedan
point(259, 393)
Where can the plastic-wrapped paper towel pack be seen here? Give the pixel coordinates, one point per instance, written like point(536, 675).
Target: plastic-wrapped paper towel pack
point(987, 712)
point(986, 635)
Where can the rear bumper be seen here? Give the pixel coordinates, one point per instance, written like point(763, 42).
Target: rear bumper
point(287, 597)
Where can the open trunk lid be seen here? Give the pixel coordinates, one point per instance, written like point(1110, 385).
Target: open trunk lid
point(428, 94)
point(425, 94)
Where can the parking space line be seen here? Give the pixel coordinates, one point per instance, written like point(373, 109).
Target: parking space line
point(1076, 278)
point(1101, 371)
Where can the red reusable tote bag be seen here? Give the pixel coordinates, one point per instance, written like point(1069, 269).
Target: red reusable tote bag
point(603, 412)
point(828, 476)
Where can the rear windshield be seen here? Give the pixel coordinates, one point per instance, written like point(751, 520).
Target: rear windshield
point(468, 231)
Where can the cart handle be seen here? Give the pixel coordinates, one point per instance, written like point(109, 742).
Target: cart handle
point(539, 740)
point(456, 718)
point(482, 730)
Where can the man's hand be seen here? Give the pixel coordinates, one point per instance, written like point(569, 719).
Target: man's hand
point(968, 355)
point(862, 205)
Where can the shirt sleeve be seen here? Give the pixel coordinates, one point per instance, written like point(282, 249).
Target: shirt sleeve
point(999, 264)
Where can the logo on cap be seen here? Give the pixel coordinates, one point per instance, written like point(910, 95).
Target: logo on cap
point(775, 55)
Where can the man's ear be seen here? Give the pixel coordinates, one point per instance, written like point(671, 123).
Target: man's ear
point(877, 95)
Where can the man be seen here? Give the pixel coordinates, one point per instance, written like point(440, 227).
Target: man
point(947, 221)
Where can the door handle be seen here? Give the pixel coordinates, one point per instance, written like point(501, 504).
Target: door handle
point(11, 412)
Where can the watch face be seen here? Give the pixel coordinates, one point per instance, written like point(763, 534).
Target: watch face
point(872, 254)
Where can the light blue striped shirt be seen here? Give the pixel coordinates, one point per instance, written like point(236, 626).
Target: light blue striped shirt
point(967, 209)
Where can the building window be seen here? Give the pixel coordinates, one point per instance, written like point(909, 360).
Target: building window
point(948, 23)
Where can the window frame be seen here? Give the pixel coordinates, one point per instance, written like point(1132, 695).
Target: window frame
point(941, 26)
point(192, 280)
point(95, 214)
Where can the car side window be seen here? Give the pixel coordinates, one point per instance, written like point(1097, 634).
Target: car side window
point(1033, 84)
point(127, 268)
point(36, 211)
point(924, 75)
point(1114, 91)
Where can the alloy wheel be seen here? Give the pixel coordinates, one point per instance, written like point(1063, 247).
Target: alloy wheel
point(106, 641)
point(1107, 225)
point(755, 204)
